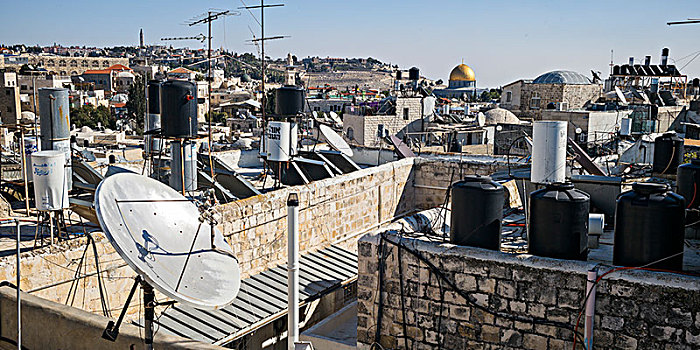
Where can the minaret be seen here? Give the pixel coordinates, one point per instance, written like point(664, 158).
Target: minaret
point(141, 38)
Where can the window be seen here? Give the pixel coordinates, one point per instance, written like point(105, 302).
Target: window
point(317, 109)
point(24, 87)
point(7, 92)
point(509, 96)
point(535, 102)
point(405, 114)
point(351, 133)
point(9, 109)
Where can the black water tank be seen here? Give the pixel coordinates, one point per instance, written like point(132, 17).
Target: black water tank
point(414, 73)
point(688, 183)
point(558, 225)
point(668, 154)
point(398, 75)
point(154, 97)
point(289, 101)
point(616, 70)
point(178, 109)
point(649, 226)
point(477, 210)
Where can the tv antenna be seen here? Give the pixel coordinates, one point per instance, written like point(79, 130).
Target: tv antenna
point(157, 233)
point(211, 16)
point(688, 21)
point(262, 41)
point(199, 37)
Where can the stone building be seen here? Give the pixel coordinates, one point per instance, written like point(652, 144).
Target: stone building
point(64, 65)
point(411, 115)
point(10, 107)
point(114, 78)
point(562, 90)
point(27, 83)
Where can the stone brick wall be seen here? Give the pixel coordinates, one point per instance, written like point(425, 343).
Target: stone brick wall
point(336, 210)
point(634, 309)
point(329, 210)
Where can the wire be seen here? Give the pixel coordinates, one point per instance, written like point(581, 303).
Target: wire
point(467, 295)
point(595, 283)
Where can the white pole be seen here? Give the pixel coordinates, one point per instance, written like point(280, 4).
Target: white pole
point(590, 308)
point(292, 270)
point(19, 297)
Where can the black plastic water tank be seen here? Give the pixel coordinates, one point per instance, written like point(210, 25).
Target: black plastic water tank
point(154, 97)
point(477, 211)
point(668, 154)
point(616, 70)
point(289, 100)
point(178, 109)
point(414, 73)
point(688, 183)
point(649, 226)
point(558, 225)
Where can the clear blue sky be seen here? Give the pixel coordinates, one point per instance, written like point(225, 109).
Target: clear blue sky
point(501, 40)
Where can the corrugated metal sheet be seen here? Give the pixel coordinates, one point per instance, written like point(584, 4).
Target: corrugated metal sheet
point(262, 296)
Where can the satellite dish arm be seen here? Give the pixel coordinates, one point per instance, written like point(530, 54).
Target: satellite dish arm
point(112, 331)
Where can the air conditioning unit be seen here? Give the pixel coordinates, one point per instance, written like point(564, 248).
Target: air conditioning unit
point(562, 106)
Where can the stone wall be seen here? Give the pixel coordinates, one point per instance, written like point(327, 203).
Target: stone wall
point(329, 210)
point(634, 309)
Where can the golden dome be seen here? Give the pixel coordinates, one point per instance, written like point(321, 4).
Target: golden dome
point(462, 73)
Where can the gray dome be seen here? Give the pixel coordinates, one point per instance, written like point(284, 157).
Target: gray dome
point(500, 116)
point(562, 77)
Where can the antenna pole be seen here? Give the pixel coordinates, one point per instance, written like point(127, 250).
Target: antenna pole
point(149, 313)
point(19, 296)
point(209, 79)
point(292, 270)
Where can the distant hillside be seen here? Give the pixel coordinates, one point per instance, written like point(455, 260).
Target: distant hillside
point(348, 79)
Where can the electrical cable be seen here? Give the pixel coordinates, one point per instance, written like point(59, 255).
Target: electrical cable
point(595, 283)
point(467, 295)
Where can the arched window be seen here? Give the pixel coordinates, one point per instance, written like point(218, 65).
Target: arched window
point(350, 133)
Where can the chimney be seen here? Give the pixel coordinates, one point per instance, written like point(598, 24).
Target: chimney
point(631, 61)
point(647, 60)
point(664, 56)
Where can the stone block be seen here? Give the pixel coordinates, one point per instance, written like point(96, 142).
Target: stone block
point(533, 341)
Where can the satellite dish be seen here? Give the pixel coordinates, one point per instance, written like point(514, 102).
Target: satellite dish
point(158, 233)
point(334, 140)
point(621, 96)
point(481, 119)
point(335, 118)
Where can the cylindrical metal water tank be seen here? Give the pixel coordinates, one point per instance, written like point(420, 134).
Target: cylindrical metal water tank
point(50, 185)
point(54, 121)
point(289, 100)
point(281, 141)
point(649, 227)
point(477, 211)
point(625, 127)
point(31, 146)
point(688, 183)
point(184, 156)
point(152, 144)
point(178, 109)
point(668, 154)
point(558, 226)
point(414, 73)
point(549, 152)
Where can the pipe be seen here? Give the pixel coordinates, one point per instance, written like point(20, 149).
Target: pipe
point(19, 297)
point(292, 270)
point(596, 222)
point(149, 313)
point(590, 308)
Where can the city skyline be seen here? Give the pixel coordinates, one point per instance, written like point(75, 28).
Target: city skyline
point(501, 43)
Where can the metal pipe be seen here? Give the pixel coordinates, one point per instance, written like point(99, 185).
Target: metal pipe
point(149, 313)
point(19, 297)
point(292, 270)
point(24, 170)
point(590, 308)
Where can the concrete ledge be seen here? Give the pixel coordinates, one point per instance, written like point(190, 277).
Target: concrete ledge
point(49, 325)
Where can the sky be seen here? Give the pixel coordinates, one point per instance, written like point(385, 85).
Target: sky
point(502, 41)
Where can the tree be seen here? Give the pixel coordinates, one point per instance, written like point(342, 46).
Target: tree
point(136, 105)
point(90, 116)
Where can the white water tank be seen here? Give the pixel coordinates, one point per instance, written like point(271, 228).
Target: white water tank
point(625, 127)
point(281, 141)
point(549, 152)
point(50, 185)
